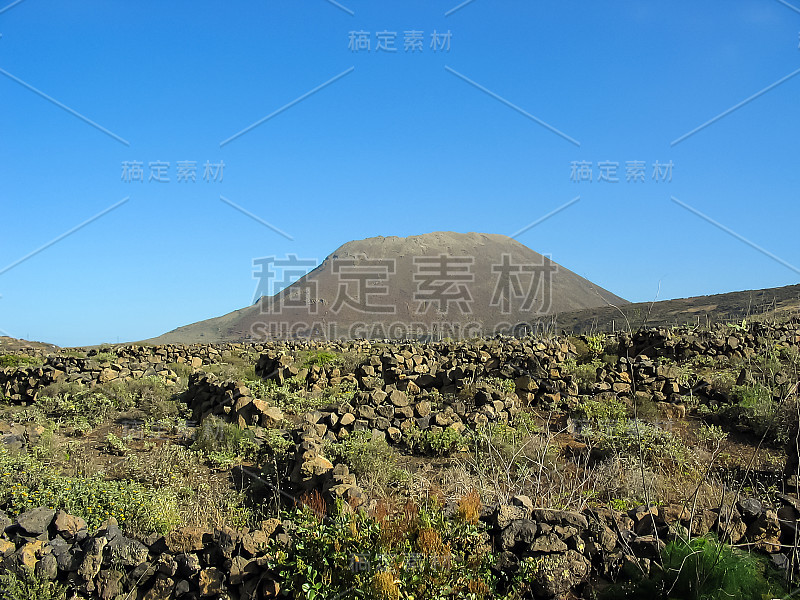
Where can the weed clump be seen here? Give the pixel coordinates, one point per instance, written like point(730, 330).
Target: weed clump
point(701, 569)
point(18, 360)
point(26, 585)
point(223, 443)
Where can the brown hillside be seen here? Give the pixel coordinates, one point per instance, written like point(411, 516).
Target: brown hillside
point(437, 284)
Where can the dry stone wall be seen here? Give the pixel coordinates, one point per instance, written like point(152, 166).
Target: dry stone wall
point(565, 551)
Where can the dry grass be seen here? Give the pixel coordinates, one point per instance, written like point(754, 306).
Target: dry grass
point(314, 501)
point(469, 507)
point(397, 523)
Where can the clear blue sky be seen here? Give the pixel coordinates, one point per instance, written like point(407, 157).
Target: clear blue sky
point(399, 145)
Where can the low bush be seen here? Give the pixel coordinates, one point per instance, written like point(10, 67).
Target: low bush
point(340, 393)
point(182, 370)
point(525, 422)
point(412, 553)
point(83, 405)
point(223, 443)
point(711, 436)
point(203, 498)
point(19, 360)
point(506, 386)
point(234, 368)
point(72, 404)
point(277, 443)
point(26, 483)
point(596, 344)
point(25, 585)
point(319, 358)
point(606, 412)
point(114, 445)
point(756, 409)
point(702, 569)
point(369, 458)
point(584, 374)
point(445, 442)
point(259, 388)
point(104, 357)
point(657, 447)
point(291, 397)
point(152, 396)
point(441, 443)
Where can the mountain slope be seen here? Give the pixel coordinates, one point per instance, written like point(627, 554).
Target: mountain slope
point(442, 283)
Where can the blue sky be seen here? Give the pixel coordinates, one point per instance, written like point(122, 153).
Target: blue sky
point(401, 143)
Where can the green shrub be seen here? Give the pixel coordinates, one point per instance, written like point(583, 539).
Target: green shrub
point(367, 457)
point(524, 422)
point(441, 443)
point(202, 499)
point(596, 344)
point(702, 569)
point(413, 439)
point(723, 379)
point(711, 436)
point(27, 586)
point(606, 411)
point(19, 360)
point(320, 358)
point(502, 440)
point(85, 405)
point(349, 361)
point(151, 395)
point(234, 368)
point(444, 442)
point(277, 443)
point(581, 349)
point(114, 445)
point(223, 443)
point(259, 388)
point(659, 448)
point(585, 374)
point(412, 554)
point(757, 409)
point(46, 445)
point(289, 397)
point(753, 397)
point(790, 354)
point(68, 402)
point(646, 408)
point(621, 504)
point(320, 563)
point(506, 386)
point(27, 483)
point(340, 393)
point(182, 370)
point(104, 357)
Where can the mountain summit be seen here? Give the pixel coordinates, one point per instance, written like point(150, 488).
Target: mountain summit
point(441, 284)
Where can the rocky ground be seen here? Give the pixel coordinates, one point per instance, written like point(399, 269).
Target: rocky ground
point(541, 467)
